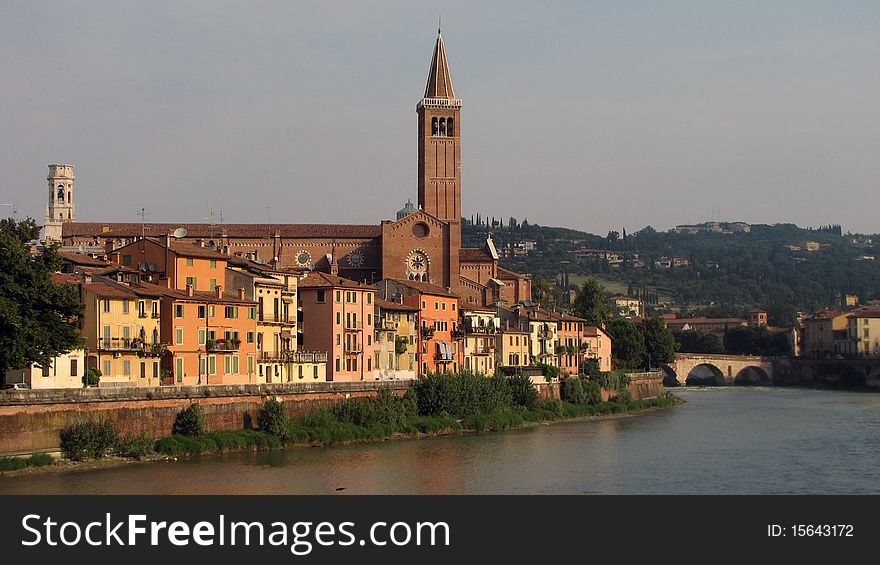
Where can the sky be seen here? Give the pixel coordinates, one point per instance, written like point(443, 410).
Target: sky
point(591, 115)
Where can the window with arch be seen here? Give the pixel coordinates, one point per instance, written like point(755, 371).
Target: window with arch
point(60, 193)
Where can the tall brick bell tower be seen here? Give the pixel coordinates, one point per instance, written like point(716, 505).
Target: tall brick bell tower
point(440, 153)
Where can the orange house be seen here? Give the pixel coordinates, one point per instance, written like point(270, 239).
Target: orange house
point(439, 347)
point(175, 263)
point(210, 337)
point(337, 317)
point(570, 332)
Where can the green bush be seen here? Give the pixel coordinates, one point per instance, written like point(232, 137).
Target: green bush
point(91, 377)
point(463, 394)
point(573, 391)
point(554, 406)
point(213, 442)
point(273, 419)
point(88, 440)
point(624, 396)
point(35, 460)
point(524, 392)
point(134, 446)
point(592, 392)
point(190, 421)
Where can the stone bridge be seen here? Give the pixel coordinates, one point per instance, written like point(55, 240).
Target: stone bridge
point(711, 369)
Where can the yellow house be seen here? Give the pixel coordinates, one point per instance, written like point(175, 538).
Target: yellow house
point(513, 348)
point(397, 341)
point(121, 328)
point(279, 359)
point(65, 371)
point(479, 333)
point(863, 331)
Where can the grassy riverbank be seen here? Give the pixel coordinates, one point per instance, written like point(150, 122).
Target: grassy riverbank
point(439, 405)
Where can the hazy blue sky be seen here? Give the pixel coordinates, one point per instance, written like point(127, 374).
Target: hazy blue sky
point(592, 115)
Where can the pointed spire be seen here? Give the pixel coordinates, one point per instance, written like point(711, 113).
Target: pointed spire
point(439, 78)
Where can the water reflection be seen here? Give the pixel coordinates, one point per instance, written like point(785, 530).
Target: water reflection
point(723, 440)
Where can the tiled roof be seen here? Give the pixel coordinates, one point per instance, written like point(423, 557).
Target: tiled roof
point(208, 231)
point(865, 313)
point(81, 259)
point(198, 296)
point(317, 279)
point(505, 274)
point(474, 255)
point(426, 288)
point(65, 278)
point(388, 305)
point(698, 321)
point(108, 289)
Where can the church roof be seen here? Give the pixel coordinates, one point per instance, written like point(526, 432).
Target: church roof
point(474, 255)
point(439, 78)
point(133, 229)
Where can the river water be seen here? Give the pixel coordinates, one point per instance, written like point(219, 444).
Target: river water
point(724, 440)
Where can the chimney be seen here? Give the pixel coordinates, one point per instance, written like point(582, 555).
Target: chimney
point(241, 293)
point(88, 279)
point(219, 290)
point(168, 241)
point(189, 289)
point(201, 243)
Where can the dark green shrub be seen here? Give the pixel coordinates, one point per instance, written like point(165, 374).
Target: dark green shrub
point(592, 392)
point(273, 419)
point(524, 392)
point(88, 440)
point(573, 391)
point(134, 446)
point(190, 421)
point(91, 377)
point(554, 406)
point(35, 460)
point(623, 396)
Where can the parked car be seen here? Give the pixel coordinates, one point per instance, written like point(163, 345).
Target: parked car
point(16, 386)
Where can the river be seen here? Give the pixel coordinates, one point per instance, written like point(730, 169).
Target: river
point(725, 440)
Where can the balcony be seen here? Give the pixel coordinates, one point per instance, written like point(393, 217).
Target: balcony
point(132, 345)
point(480, 330)
point(354, 327)
point(458, 334)
point(546, 333)
point(483, 350)
point(155, 315)
point(268, 318)
point(294, 356)
point(353, 348)
point(221, 345)
point(386, 325)
point(427, 333)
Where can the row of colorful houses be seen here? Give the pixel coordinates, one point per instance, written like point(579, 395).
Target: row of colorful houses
point(175, 312)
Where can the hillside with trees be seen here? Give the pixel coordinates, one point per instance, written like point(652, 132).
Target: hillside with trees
point(719, 270)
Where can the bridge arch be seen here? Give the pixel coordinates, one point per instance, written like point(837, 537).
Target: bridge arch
point(705, 374)
point(752, 376)
point(670, 377)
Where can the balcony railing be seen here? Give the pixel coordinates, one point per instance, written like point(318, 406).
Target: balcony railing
point(277, 318)
point(481, 330)
point(354, 327)
point(427, 333)
point(222, 345)
point(386, 325)
point(132, 345)
point(546, 334)
point(294, 356)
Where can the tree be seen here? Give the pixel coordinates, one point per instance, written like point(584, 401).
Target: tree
point(542, 294)
point(692, 341)
point(38, 318)
point(628, 343)
point(590, 303)
point(781, 315)
point(659, 342)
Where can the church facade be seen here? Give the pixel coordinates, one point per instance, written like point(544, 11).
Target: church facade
point(422, 244)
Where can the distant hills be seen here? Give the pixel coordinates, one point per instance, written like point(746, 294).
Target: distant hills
point(712, 268)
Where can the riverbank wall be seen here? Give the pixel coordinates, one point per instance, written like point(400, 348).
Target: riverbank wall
point(840, 373)
point(31, 421)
